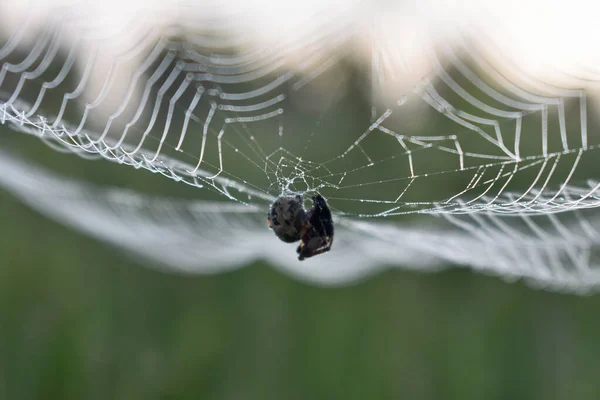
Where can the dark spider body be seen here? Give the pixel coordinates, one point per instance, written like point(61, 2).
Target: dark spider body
point(286, 218)
point(291, 223)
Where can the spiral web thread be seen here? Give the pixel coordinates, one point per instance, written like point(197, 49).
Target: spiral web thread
point(521, 204)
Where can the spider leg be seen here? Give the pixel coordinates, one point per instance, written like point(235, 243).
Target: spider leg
point(314, 253)
point(302, 255)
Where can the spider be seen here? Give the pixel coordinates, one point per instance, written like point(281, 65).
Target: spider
point(291, 223)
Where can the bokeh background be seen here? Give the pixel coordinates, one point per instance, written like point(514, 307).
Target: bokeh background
point(80, 319)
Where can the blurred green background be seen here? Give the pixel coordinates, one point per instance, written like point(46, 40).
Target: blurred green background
point(81, 320)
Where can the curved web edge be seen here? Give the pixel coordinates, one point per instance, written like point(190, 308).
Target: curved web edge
point(177, 235)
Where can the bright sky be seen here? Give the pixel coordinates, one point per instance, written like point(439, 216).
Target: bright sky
point(543, 38)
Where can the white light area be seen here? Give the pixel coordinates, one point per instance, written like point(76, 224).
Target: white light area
point(110, 14)
point(289, 21)
point(107, 29)
point(549, 40)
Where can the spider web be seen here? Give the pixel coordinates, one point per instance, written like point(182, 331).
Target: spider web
point(470, 166)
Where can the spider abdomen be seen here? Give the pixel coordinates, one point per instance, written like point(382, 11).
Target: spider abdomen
point(286, 217)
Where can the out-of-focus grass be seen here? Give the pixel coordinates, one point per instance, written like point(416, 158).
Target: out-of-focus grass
point(79, 320)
